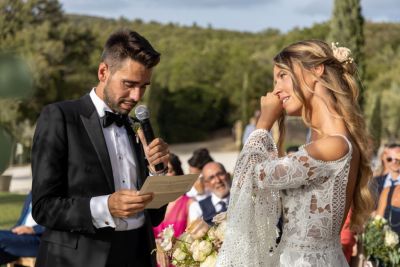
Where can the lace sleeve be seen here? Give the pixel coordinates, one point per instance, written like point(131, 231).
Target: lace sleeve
point(290, 171)
point(253, 211)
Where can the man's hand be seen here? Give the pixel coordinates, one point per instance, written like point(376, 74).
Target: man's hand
point(125, 203)
point(23, 230)
point(156, 152)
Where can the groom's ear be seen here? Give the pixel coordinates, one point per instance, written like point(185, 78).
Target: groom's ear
point(103, 72)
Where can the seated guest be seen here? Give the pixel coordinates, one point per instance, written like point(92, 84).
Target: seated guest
point(23, 239)
point(196, 163)
point(177, 211)
point(176, 214)
point(218, 182)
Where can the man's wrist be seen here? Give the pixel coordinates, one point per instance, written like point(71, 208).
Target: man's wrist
point(153, 172)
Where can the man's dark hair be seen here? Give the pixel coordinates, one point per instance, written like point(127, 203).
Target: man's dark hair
point(129, 44)
point(176, 164)
point(200, 158)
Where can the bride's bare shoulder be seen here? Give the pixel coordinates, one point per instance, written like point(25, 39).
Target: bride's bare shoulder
point(330, 148)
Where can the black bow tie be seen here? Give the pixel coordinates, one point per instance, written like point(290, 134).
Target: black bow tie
point(119, 119)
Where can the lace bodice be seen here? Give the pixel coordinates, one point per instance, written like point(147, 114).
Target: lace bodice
point(309, 194)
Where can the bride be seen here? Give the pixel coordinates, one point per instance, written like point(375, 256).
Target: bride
point(313, 189)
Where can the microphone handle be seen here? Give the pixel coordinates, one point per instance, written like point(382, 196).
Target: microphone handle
point(149, 136)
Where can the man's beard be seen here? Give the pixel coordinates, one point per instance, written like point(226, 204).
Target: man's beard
point(113, 104)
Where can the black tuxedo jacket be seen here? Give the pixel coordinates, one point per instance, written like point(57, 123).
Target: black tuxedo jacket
point(70, 165)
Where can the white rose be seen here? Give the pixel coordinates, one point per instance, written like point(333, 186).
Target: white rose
point(220, 217)
point(212, 233)
point(201, 250)
point(379, 221)
point(391, 238)
point(194, 245)
point(198, 228)
point(166, 244)
point(179, 254)
point(210, 261)
point(186, 239)
point(220, 232)
point(167, 235)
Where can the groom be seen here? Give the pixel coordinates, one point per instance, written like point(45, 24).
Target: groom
point(87, 166)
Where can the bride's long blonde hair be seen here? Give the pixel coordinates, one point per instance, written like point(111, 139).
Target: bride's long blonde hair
point(338, 78)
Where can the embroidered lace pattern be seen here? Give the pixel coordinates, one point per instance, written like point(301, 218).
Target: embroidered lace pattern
point(309, 193)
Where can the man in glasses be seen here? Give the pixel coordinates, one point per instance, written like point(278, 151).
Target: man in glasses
point(392, 159)
point(218, 182)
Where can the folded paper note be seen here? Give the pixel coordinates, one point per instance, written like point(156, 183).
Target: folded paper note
point(167, 188)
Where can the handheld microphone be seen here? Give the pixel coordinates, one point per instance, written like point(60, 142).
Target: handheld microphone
point(143, 115)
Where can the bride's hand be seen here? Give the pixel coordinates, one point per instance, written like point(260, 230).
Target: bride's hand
point(271, 110)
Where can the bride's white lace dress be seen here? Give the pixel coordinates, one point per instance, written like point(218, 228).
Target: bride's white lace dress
point(309, 193)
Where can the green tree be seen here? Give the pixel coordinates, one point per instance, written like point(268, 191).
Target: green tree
point(375, 124)
point(347, 28)
point(58, 56)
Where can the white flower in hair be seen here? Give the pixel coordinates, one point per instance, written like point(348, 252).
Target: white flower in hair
point(342, 54)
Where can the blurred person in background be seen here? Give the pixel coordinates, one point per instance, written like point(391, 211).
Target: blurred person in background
point(391, 177)
point(251, 126)
point(177, 211)
point(348, 238)
point(218, 182)
point(196, 163)
point(379, 162)
point(23, 239)
point(389, 200)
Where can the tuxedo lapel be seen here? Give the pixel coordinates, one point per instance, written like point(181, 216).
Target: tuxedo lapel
point(90, 120)
point(137, 149)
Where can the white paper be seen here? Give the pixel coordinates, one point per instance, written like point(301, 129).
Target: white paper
point(167, 188)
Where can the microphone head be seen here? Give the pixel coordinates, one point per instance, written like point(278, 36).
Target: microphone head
point(142, 112)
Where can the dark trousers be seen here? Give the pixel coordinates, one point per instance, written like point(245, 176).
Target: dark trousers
point(13, 246)
point(129, 256)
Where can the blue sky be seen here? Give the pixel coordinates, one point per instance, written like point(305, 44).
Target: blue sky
point(240, 15)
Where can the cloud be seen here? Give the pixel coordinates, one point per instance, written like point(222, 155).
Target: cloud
point(387, 10)
point(315, 8)
point(383, 10)
point(208, 4)
point(101, 6)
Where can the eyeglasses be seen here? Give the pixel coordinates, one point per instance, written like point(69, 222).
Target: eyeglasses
point(390, 159)
point(212, 177)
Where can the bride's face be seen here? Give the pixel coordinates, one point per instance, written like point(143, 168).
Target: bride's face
point(284, 90)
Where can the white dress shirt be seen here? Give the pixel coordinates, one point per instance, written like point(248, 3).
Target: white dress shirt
point(196, 212)
point(28, 220)
point(388, 181)
point(192, 193)
point(124, 167)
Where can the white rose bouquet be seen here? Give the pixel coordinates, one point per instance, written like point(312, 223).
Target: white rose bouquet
point(381, 244)
point(198, 246)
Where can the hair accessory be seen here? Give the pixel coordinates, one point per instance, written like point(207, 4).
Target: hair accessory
point(342, 54)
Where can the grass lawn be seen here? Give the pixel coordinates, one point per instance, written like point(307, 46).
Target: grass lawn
point(10, 209)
